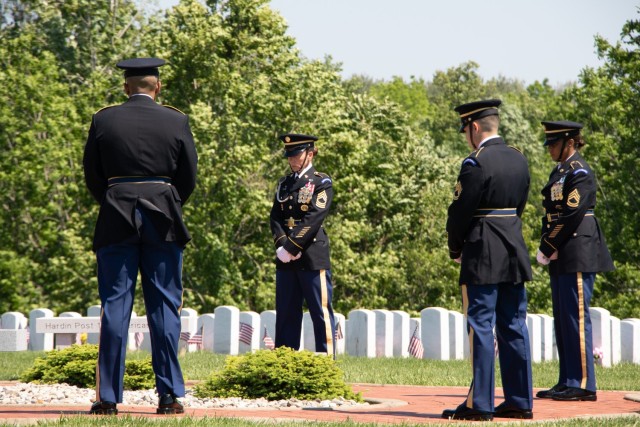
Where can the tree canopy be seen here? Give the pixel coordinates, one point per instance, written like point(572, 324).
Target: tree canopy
point(391, 147)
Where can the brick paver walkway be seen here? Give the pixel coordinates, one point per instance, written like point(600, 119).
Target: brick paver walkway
point(396, 404)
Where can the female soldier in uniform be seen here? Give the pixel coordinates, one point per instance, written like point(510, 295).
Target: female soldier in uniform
point(575, 250)
point(303, 270)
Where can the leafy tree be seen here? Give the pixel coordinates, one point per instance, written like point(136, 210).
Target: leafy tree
point(392, 148)
point(607, 102)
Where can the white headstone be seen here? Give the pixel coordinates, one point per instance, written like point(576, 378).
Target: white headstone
point(384, 333)
point(307, 335)
point(225, 332)
point(630, 337)
point(546, 335)
point(600, 321)
point(435, 333)
point(267, 326)
point(67, 340)
point(192, 329)
point(249, 331)
point(534, 325)
point(616, 355)
point(401, 333)
point(13, 335)
point(39, 341)
point(457, 335)
point(206, 324)
point(13, 320)
point(13, 339)
point(341, 325)
point(94, 311)
point(361, 330)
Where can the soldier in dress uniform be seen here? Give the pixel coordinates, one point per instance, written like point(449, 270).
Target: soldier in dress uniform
point(140, 166)
point(303, 270)
point(573, 247)
point(485, 236)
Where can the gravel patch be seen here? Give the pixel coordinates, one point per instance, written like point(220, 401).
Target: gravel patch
point(63, 394)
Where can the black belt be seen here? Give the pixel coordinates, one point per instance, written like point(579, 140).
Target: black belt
point(138, 180)
point(484, 213)
point(556, 216)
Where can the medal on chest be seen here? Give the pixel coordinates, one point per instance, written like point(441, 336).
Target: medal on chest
point(306, 193)
point(556, 189)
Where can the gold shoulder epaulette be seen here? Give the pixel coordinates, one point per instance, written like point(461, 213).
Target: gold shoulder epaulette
point(321, 174)
point(173, 108)
point(104, 108)
point(477, 152)
point(574, 163)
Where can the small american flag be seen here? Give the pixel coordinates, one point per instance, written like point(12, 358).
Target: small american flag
point(184, 336)
point(339, 335)
point(196, 339)
point(139, 337)
point(246, 332)
point(415, 345)
point(268, 342)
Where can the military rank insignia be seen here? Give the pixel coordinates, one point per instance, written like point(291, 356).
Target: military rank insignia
point(321, 200)
point(457, 190)
point(556, 189)
point(306, 193)
point(574, 199)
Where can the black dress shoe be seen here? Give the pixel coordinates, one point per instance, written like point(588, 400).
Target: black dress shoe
point(169, 404)
point(548, 394)
point(575, 394)
point(103, 408)
point(504, 410)
point(462, 412)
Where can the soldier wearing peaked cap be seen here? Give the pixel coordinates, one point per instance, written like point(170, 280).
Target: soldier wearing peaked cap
point(485, 237)
point(140, 165)
point(303, 269)
point(574, 248)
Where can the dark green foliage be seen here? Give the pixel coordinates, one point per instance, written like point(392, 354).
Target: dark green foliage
point(76, 365)
point(277, 374)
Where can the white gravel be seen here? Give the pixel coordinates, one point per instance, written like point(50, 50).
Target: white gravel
point(63, 394)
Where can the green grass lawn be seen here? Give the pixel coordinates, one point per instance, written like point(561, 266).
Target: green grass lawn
point(199, 366)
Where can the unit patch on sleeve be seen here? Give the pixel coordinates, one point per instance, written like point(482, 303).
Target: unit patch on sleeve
point(457, 190)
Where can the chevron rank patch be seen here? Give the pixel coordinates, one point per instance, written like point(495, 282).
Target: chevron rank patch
point(574, 199)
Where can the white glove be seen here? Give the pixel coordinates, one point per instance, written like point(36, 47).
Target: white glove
point(458, 260)
point(542, 259)
point(283, 255)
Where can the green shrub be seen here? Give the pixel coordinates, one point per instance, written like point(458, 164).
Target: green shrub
point(76, 365)
point(282, 373)
point(138, 374)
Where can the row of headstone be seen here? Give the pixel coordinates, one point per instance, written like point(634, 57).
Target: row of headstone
point(437, 334)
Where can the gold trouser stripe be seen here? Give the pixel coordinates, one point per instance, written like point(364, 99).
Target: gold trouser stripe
point(583, 346)
point(325, 311)
point(98, 362)
point(465, 308)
